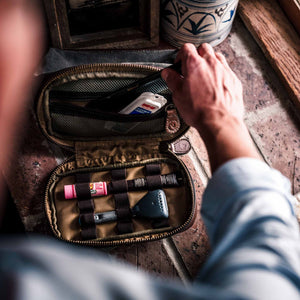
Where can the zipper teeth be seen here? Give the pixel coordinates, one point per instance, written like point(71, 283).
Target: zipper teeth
point(50, 180)
point(98, 67)
point(131, 239)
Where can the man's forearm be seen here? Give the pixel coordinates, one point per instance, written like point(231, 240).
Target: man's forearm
point(227, 140)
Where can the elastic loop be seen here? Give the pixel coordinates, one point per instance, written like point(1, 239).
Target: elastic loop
point(153, 169)
point(83, 190)
point(118, 174)
point(154, 182)
point(124, 214)
point(87, 219)
point(119, 186)
point(89, 233)
point(86, 205)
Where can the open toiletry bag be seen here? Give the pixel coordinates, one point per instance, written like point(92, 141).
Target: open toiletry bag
point(124, 182)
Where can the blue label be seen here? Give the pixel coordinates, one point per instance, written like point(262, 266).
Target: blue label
point(140, 111)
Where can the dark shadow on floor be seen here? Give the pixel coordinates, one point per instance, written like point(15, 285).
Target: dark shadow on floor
point(11, 223)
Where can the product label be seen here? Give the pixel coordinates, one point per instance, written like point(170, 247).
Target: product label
point(98, 188)
point(140, 111)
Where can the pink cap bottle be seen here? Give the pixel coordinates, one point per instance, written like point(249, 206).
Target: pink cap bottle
point(96, 188)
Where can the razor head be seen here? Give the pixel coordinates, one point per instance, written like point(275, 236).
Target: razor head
point(152, 206)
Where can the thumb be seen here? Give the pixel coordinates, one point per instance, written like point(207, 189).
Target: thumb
point(172, 79)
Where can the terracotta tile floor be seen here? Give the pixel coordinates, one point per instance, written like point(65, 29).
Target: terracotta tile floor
point(271, 122)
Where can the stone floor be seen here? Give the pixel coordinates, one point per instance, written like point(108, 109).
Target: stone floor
point(272, 123)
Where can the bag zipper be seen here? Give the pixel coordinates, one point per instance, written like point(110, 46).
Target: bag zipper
point(94, 68)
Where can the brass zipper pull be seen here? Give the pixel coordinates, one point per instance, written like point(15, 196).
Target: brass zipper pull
point(172, 121)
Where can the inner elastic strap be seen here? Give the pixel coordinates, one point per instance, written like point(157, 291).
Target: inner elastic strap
point(152, 169)
point(153, 177)
point(122, 205)
point(154, 182)
point(119, 186)
point(83, 191)
point(87, 219)
point(123, 210)
point(89, 233)
point(118, 174)
point(86, 206)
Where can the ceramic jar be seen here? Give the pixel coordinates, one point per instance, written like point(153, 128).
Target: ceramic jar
point(196, 21)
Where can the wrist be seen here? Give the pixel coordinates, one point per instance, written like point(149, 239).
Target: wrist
point(225, 139)
point(214, 123)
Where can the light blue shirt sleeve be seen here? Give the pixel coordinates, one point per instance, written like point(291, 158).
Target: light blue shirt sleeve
point(248, 211)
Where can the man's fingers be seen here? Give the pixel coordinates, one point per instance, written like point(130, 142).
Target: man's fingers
point(189, 56)
point(222, 59)
point(206, 50)
point(185, 50)
point(172, 79)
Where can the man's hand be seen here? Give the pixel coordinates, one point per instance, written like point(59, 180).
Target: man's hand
point(209, 97)
point(207, 91)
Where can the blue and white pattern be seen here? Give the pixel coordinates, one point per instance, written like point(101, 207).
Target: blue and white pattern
point(196, 21)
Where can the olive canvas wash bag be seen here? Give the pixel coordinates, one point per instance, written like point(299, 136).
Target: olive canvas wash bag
point(124, 182)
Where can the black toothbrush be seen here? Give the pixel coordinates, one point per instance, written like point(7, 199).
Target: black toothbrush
point(120, 98)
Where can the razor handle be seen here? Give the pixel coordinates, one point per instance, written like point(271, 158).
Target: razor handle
point(152, 206)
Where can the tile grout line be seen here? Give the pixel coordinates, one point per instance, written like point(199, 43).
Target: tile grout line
point(168, 243)
point(176, 258)
point(261, 154)
point(199, 168)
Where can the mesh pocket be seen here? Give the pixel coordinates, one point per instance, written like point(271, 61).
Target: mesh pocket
point(110, 85)
point(76, 127)
point(94, 85)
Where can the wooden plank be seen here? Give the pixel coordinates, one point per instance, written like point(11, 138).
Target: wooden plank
point(278, 40)
point(292, 9)
point(52, 18)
